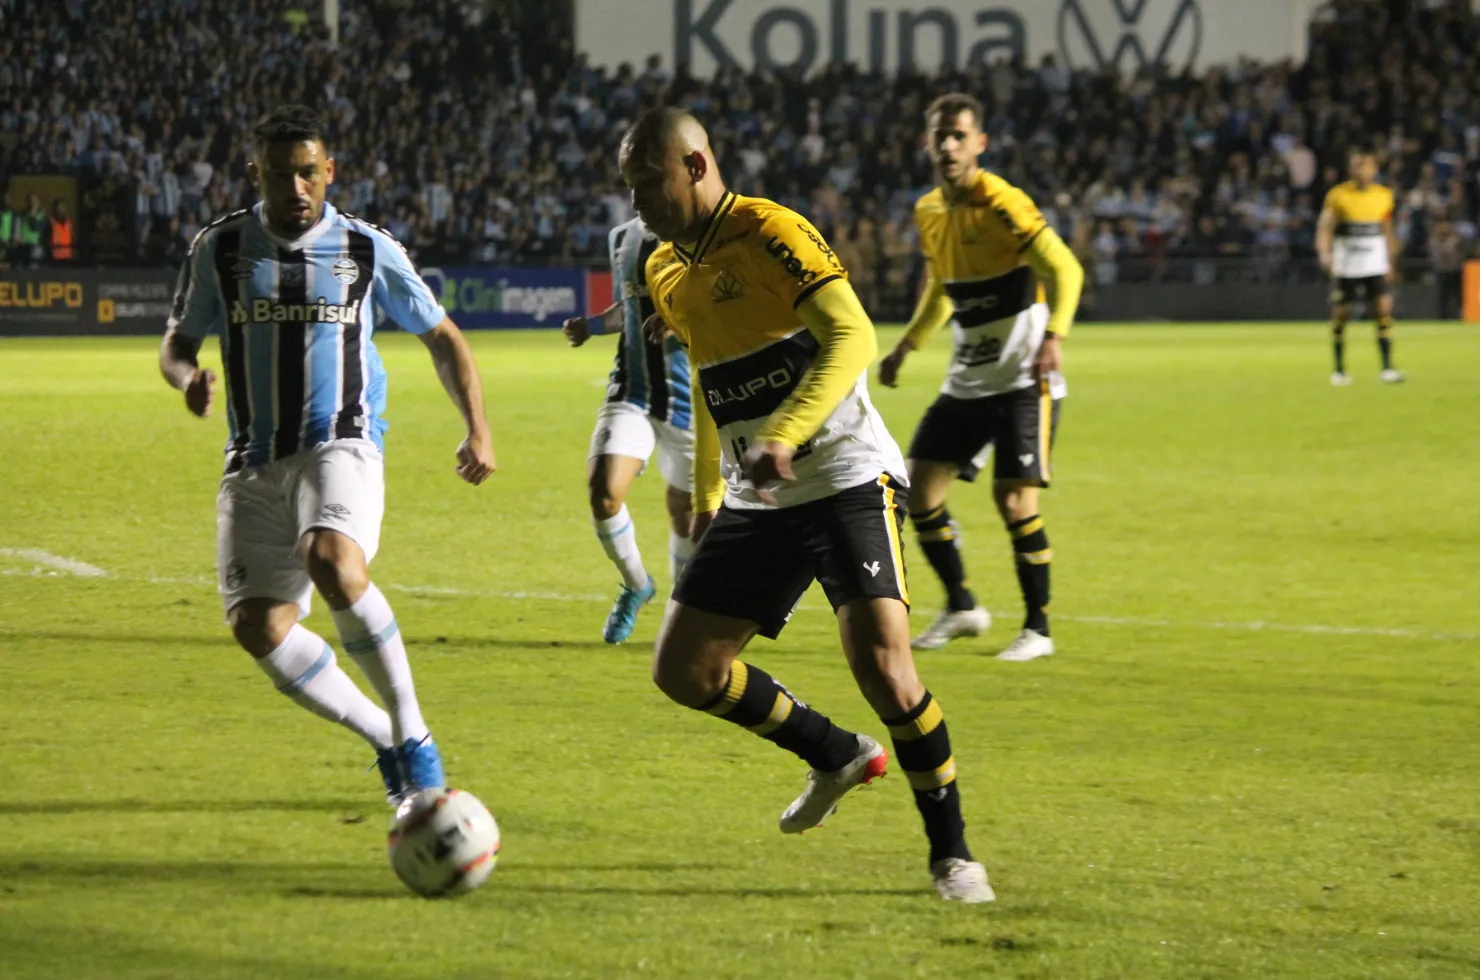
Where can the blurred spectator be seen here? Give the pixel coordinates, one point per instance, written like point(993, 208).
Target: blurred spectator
point(60, 233)
point(1448, 251)
point(9, 227)
point(31, 231)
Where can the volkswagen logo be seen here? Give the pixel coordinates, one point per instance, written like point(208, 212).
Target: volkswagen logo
point(1129, 34)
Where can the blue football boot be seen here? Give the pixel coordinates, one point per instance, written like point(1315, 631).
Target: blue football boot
point(421, 763)
point(623, 618)
point(389, 763)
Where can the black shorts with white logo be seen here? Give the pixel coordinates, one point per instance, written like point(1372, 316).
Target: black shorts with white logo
point(1020, 427)
point(1365, 288)
point(755, 564)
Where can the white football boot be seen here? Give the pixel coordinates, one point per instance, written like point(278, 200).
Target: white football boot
point(1030, 645)
point(949, 625)
point(962, 881)
point(825, 789)
point(1340, 380)
point(1392, 376)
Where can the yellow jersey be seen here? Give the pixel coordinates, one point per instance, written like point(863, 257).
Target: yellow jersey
point(732, 300)
point(1359, 248)
point(975, 248)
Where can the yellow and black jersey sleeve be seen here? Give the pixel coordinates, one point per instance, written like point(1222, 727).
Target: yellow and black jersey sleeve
point(1018, 215)
point(792, 261)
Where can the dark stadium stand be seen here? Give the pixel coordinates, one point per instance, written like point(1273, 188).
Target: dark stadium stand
point(476, 134)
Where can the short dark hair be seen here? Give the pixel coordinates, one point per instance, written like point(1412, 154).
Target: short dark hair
point(651, 128)
point(953, 104)
point(289, 124)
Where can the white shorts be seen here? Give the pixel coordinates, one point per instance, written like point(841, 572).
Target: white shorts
point(263, 512)
point(623, 429)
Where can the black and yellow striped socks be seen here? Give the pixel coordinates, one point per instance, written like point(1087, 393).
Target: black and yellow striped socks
point(1030, 544)
point(1385, 341)
point(937, 534)
point(1338, 344)
point(753, 700)
point(922, 747)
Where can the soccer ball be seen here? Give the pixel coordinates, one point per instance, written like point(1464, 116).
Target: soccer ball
point(442, 842)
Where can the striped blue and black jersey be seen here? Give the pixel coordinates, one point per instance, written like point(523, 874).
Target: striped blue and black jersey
point(296, 321)
point(653, 377)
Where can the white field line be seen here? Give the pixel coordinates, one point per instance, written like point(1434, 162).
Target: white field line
point(1139, 622)
point(1257, 626)
point(56, 562)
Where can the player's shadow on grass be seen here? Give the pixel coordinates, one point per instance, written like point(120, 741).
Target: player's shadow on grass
point(119, 637)
point(49, 807)
point(696, 891)
point(279, 876)
point(507, 643)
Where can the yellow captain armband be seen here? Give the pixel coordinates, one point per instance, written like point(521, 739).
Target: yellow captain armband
point(1061, 273)
point(845, 335)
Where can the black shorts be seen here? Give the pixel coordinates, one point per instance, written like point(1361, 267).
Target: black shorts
point(1368, 288)
point(755, 564)
point(1020, 426)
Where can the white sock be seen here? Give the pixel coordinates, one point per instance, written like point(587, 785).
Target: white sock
point(304, 668)
point(680, 549)
point(619, 538)
point(371, 636)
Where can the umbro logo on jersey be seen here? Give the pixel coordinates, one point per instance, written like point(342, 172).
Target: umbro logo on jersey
point(783, 254)
point(726, 288)
point(243, 269)
point(872, 567)
point(1026, 459)
point(336, 510)
point(346, 270)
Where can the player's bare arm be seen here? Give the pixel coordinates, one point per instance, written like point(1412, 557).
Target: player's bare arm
point(580, 329)
point(931, 313)
point(1325, 233)
point(1063, 278)
point(458, 372)
point(178, 362)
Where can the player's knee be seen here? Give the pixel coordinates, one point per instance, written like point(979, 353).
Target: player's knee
point(337, 566)
point(680, 511)
point(606, 503)
point(685, 678)
point(1014, 501)
point(256, 629)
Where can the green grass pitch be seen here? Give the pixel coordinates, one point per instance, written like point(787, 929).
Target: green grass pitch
point(1257, 753)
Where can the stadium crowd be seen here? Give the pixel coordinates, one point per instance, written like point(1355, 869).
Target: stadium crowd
point(474, 132)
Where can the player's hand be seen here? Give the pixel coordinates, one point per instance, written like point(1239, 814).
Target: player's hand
point(1050, 359)
point(768, 464)
point(1325, 261)
point(890, 365)
point(701, 524)
point(200, 391)
point(475, 462)
point(577, 330)
point(655, 330)
point(1392, 276)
